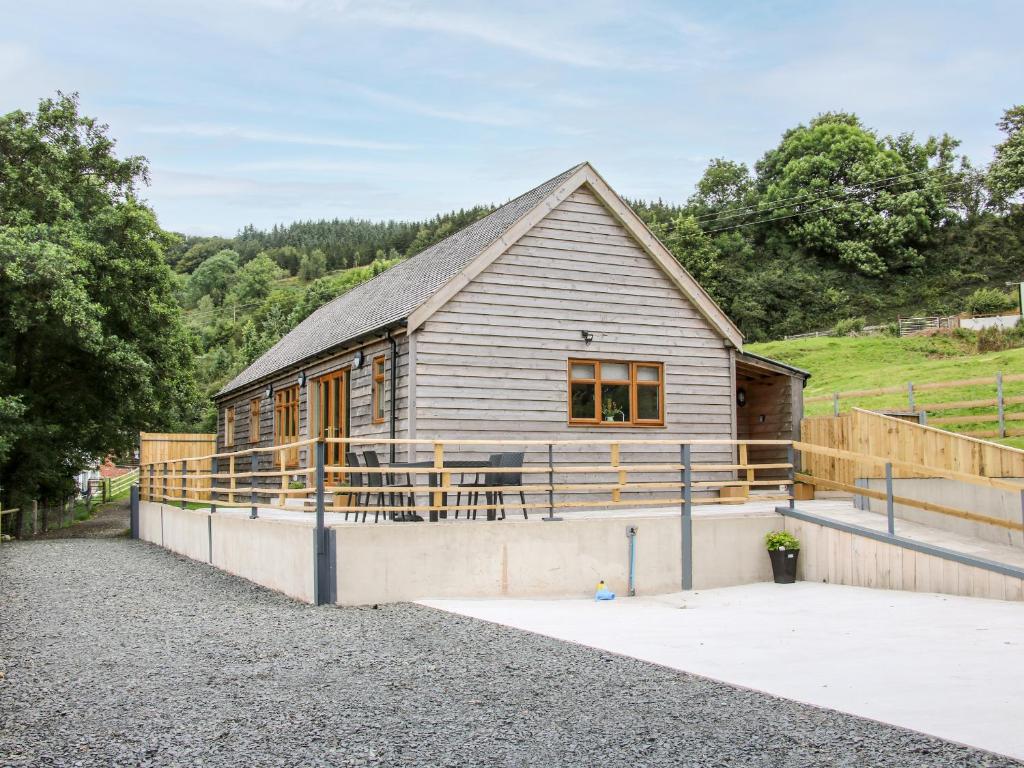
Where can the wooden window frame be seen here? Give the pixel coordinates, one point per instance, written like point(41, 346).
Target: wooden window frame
point(379, 386)
point(281, 403)
point(634, 386)
point(229, 426)
point(254, 420)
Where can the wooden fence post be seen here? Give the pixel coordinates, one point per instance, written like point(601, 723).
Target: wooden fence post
point(616, 492)
point(1000, 405)
point(284, 477)
point(436, 498)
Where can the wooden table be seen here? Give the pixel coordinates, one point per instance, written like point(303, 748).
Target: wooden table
point(445, 478)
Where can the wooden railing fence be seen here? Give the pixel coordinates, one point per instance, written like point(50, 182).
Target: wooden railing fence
point(188, 480)
point(994, 409)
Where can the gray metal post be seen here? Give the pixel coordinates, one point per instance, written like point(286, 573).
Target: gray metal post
point(134, 506)
point(890, 509)
point(551, 485)
point(184, 490)
point(910, 395)
point(999, 405)
point(321, 567)
point(791, 459)
point(1022, 491)
point(835, 403)
point(213, 488)
point(253, 512)
point(686, 523)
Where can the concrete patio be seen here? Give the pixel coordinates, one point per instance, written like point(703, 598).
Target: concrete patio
point(943, 665)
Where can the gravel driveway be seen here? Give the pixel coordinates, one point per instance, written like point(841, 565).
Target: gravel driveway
point(114, 652)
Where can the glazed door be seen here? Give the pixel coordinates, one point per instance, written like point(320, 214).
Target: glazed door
point(332, 417)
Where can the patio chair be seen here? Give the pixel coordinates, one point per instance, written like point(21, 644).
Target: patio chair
point(490, 479)
point(510, 461)
point(355, 482)
point(378, 479)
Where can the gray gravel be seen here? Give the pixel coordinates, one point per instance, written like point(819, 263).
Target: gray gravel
point(115, 652)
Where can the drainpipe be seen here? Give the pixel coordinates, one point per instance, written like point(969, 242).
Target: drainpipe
point(393, 395)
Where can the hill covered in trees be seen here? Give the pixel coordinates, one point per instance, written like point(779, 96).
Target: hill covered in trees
point(835, 223)
point(111, 325)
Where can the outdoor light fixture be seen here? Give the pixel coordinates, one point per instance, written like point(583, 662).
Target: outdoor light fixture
point(269, 392)
point(587, 336)
point(357, 361)
point(302, 379)
point(741, 397)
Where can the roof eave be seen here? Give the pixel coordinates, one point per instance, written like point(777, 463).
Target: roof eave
point(355, 341)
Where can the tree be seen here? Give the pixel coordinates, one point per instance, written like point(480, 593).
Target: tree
point(213, 277)
point(1006, 174)
point(313, 266)
point(255, 279)
point(836, 191)
point(92, 348)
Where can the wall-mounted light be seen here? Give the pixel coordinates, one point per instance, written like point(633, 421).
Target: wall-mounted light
point(301, 380)
point(269, 391)
point(587, 336)
point(357, 360)
point(741, 397)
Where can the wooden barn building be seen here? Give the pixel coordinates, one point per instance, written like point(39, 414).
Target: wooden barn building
point(557, 316)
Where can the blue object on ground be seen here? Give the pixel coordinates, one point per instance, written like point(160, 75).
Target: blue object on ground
point(604, 594)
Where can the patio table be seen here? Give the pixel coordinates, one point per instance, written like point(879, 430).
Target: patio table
point(432, 477)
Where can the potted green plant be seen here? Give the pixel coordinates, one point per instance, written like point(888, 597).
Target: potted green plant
point(783, 549)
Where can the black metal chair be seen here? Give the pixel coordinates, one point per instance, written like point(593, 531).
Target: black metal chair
point(511, 461)
point(355, 482)
point(379, 479)
point(490, 479)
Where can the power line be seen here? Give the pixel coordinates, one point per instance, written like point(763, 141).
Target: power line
point(777, 204)
point(801, 213)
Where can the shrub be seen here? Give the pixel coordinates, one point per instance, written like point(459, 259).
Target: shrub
point(988, 301)
point(849, 327)
point(781, 540)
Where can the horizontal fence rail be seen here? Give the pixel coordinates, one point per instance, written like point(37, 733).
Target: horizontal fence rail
point(554, 476)
point(908, 400)
point(561, 474)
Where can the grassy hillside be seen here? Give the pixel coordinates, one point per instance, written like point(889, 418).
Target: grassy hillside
point(872, 362)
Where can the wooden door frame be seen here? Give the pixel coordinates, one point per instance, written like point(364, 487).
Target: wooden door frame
point(344, 373)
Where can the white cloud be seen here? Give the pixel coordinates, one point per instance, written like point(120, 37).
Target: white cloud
point(205, 130)
point(490, 114)
point(545, 34)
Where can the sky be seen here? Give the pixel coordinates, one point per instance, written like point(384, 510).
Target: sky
point(270, 111)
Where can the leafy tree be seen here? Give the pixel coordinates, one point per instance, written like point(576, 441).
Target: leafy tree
point(255, 279)
point(836, 191)
point(199, 251)
point(214, 277)
point(1006, 174)
point(313, 265)
point(92, 348)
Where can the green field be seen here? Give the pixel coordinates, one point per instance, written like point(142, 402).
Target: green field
point(873, 362)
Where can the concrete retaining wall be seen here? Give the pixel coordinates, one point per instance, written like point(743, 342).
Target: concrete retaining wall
point(276, 554)
point(379, 564)
point(513, 558)
point(838, 557)
point(1004, 505)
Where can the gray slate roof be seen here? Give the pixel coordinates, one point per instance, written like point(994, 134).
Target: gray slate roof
point(394, 294)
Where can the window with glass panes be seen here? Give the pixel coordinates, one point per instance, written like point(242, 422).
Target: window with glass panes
point(378, 389)
point(616, 393)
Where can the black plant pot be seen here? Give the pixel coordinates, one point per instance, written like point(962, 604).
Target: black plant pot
point(784, 565)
